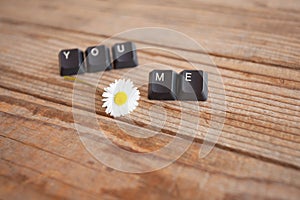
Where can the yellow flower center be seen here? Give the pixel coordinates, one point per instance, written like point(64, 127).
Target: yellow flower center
point(120, 98)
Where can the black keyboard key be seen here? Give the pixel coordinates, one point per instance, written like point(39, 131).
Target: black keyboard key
point(70, 62)
point(97, 59)
point(162, 85)
point(124, 55)
point(192, 85)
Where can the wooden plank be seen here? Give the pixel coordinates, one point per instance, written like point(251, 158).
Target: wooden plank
point(256, 47)
point(238, 32)
point(247, 116)
point(60, 159)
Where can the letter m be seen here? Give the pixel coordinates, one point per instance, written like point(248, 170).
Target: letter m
point(159, 78)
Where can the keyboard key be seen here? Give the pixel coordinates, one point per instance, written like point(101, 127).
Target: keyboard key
point(70, 62)
point(193, 85)
point(97, 59)
point(162, 85)
point(124, 55)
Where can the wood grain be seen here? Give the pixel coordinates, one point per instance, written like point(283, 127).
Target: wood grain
point(256, 47)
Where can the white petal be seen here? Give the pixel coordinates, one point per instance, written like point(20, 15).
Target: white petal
point(115, 87)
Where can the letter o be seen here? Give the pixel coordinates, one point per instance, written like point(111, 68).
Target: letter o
point(95, 51)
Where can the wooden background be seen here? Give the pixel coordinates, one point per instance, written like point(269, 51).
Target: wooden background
point(256, 46)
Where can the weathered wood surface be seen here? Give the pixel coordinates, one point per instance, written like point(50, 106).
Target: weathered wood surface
point(256, 46)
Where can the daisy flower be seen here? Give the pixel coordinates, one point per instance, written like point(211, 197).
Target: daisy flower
point(120, 98)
